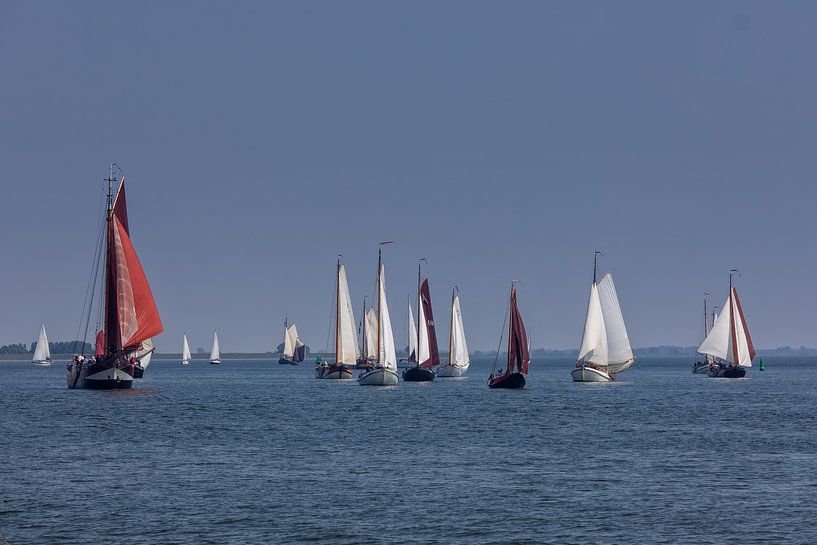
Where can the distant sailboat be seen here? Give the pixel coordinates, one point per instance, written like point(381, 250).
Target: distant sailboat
point(186, 356)
point(130, 316)
point(215, 352)
point(369, 324)
point(729, 342)
point(346, 349)
point(518, 351)
point(458, 358)
point(701, 366)
point(294, 348)
point(42, 353)
point(142, 358)
point(428, 355)
point(605, 348)
point(384, 370)
point(411, 359)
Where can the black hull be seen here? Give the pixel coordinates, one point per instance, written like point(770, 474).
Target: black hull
point(107, 384)
point(138, 371)
point(111, 373)
point(514, 380)
point(727, 372)
point(285, 361)
point(418, 374)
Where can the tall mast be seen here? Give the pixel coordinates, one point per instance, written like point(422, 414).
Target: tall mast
point(337, 311)
point(109, 320)
point(595, 257)
point(363, 331)
point(706, 294)
point(419, 302)
point(379, 260)
point(732, 324)
point(510, 327)
point(451, 329)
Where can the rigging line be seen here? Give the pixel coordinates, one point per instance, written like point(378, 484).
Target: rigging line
point(92, 276)
point(501, 336)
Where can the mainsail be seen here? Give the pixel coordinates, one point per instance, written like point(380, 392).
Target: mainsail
point(428, 354)
point(729, 337)
point(371, 334)
point(131, 315)
point(186, 356)
point(215, 353)
point(518, 350)
point(41, 351)
point(412, 336)
point(605, 341)
point(346, 349)
point(387, 356)
point(459, 348)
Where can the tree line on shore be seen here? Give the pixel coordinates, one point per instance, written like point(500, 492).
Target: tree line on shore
point(56, 347)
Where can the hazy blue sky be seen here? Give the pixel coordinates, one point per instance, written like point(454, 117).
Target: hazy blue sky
point(499, 140)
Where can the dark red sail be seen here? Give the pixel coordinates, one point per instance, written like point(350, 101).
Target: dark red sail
point(431, 332)
point(518, 353)
point(131, 315)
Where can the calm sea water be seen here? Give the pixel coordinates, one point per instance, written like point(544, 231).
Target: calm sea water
point(256, 452)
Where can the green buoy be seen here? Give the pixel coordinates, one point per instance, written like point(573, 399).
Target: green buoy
point(762, 365)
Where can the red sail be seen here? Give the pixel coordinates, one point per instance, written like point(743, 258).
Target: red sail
point(100, 343)
point(131, 313)
point(518, 354)
point(752, 352)
point(431, 332)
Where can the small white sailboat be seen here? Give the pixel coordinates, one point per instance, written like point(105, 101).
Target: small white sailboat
point(411, 359)
point(215, 352)
point(294, 348)
point(186, 356)
point(458, 357)
point(42, 353)
point(384, 371)
point(346, 349)
point(605, 349)
point(729, 342)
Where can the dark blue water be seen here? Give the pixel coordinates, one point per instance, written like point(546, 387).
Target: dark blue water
point(255, 452)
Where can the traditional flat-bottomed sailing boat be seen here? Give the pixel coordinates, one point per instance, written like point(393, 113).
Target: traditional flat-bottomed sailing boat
point(428, 355)
point(383, 372)
point(346, 349)
point(518, 351)
point(294, 348)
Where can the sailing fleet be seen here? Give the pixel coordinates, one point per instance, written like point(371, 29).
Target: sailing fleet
point(130, 319)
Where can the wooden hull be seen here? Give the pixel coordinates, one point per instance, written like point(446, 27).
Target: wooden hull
point(333, 373)
point(512, 381)
point(287, 361)
point(590, 374)
point(104, 374)
point(450, 371)
point(138, 371)
point(380, 376)
point(700, 368)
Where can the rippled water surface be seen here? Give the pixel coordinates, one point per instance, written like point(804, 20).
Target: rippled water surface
point(256, 452)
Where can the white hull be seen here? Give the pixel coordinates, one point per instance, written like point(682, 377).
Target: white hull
point(185, 363)
point(378, 377)
point(589, 374)
point(215, 362)
point(333, 373)
point(44, 363)
point(450, 371)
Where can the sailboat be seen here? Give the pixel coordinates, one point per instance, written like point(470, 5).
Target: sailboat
point(346, 349)
point(458, 358)
point(186, 356)
point(142, 358)
point(369, 324)
point(605, 348)
point(42, 353)
point(383, 372)
point(728, 341)
point(411, 360)
point(294, 348)
point(428, 355)
point(518, 351)
point(701, 367)
point(215, 352)
point(130, 316)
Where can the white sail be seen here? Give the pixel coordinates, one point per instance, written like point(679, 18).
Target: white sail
point(719, 341)
point(347, 349)
point(423, 350)
point(41, 351)
point(594, 339)
point(371, 333)
point(290, 337)
point(412, 332)
point(459, 348)
point(215, 353)
point(387, 355)
point(145, 354)
point(619, 351)
point(186, 357)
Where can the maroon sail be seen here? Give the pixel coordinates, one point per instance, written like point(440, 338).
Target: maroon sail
point(431, 333)
point(518, 353)
point(131, 315)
